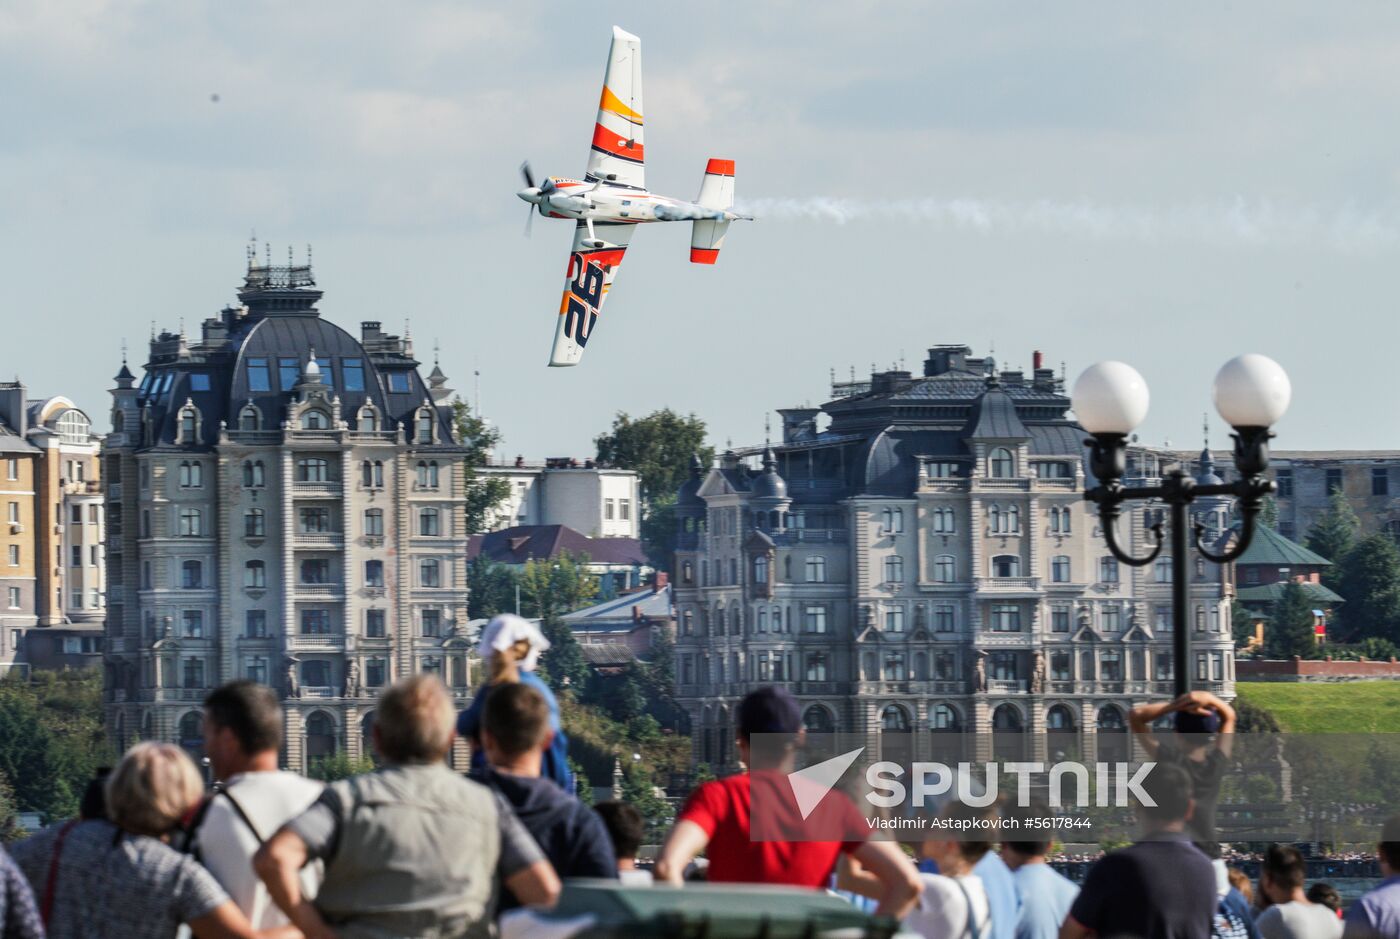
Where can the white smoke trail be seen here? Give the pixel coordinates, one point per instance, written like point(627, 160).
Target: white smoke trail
point(1237, 222)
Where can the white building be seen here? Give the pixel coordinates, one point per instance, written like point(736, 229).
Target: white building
point(597, 501)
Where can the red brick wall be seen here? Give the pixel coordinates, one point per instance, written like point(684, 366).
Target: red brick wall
point(1310, 669)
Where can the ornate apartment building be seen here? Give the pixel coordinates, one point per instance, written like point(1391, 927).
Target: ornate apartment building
point(285, 504)
point(927, 562)
point(52, 565)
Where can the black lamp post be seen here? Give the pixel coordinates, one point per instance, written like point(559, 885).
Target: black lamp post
point(1110, 399)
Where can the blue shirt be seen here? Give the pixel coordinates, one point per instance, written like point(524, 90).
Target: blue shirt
point(1002, 895)
point(1046, 896)
point(556, 758)
point(1377, 914)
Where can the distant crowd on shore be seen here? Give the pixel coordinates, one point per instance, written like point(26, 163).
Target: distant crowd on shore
point(414, 849)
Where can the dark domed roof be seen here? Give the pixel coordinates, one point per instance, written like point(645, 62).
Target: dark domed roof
point(1206, 475)
point(689, 493)
point(768, 484)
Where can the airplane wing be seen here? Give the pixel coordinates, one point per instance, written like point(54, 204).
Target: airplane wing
point(617, 137)
point(587, 281)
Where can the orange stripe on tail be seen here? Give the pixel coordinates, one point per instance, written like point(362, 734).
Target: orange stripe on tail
point(718, 167)
point(704, 255)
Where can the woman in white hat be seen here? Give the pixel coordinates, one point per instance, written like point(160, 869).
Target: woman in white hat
point(511, 648)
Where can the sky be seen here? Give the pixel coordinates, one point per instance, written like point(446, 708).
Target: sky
point(1163, 184)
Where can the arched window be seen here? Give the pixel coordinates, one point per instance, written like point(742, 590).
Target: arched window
point(894, 719)
point(760, 570)
point(368, 419)
point(255, 574)
point(315, 419)
point(994, 522)
point(944, 718)
point(320, 729)
point(945, 569)
point(818, 720)
point(1059, 718)
point(189, 424)
point(367, 474)
point(1006, 719)
point(1111, 719)
point(1013, 520)
point(191, 575)
point(254, 523)
point(1001, 463)
point(424, 432)
point(1006, 565)
point(250, 418)
point(429, 522)
point(1113, 735)
point(943, 521)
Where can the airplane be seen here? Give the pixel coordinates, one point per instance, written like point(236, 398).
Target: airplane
point(612, 198)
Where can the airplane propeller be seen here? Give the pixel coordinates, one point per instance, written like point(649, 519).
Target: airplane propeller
point(531, 194)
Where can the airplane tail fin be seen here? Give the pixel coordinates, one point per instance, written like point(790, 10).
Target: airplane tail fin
point(716, 192)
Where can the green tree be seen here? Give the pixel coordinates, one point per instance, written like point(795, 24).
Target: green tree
point(52, 739)
point(563, 664)
point(1333, 534)
point(1250, 718)
point(9, 810)
point(1241, 624)
point(1290, 629)
point(492, 588)
point(1370, 584)
point(552, 587)
point(477, 435)
point(658, 529)
point(339, 766)
point(1377, 649)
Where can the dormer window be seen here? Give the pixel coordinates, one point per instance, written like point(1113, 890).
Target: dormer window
point(1001, 464)
point(189, 424)
point(315, 419)
point(368, 419)
point(424, 426)
point(250, 418)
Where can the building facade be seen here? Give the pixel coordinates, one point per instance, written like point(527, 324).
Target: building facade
point(53, 568)
point(599, 501)
point(286, 505)
point(927, 562)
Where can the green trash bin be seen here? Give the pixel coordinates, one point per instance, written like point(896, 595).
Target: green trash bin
point(715, 911)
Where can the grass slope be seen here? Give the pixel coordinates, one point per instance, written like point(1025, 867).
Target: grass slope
point(1340, 708)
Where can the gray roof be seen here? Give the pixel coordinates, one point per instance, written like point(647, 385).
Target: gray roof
point(994, 417)
point(11, 442)
point(648, 603)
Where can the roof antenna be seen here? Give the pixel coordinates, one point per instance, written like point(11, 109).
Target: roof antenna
point(267, 252)
point(123, 350)
point(476, 383)
point(308, 254)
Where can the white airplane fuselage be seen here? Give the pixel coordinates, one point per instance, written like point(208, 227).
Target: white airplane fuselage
point(561, 197)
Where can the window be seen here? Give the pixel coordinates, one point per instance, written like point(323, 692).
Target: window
point(374, 523)
point(1055, 470)
point(428, 522)
point(352, 374)
point(1001, 463)
point(894, 620)
point(1284, 478)
point(624, 510)
point(944, 618)
point(399, 384)
point(190, 526)
point(943, 521)
point(1060, 521)
point(1108, 570)
point(1201, 661)
point(288, 373)
point(1004, 666)
point(940, 470)
point(760, 570)
point(255, 574)
point(191, 474)
point(248, 418)
point(1059, 569)
point(428, 474)
point(1162, 570)
point(424, 426)
point(1060, 668)
point(945, 569)
point(1217, 666)
point(194, 673)
point(1059, 619)
point(314, 470)
point(892, 521)
point(1380, 481)
point(687, 573)
point(189, 425)
point(1006, 618)
point(14, 598)
point(316, 674)
point(199, 381)
point(315, 622)
point(894, 667)
point(254, 523)
point(192, 624)
point(314, 520)
point(429, 573)
point(254, 474)
point(372, 474)
point(816, 666)
point(1334, 481)
point(376, 672)
point(894, 569)
point(816, 570)
point(1112, 619)
point(607, 510)
point(191, 575)
point(12, 468)
point(1200, 619)
point(432, 623)
point(255, 624)
point(374, 624)
point(315, 571)
point(315, 419)
point(14, 555)
point(814, 619)
point(1006, 565)
point(374, 573)
point(76, 552)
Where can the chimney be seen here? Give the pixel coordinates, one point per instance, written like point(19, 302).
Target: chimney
point(659, 581)
point(13, 410)
point(1038, 358)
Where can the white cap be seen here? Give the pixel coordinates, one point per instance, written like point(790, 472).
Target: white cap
point(505, 630)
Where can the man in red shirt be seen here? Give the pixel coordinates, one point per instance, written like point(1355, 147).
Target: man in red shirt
point(716, 820)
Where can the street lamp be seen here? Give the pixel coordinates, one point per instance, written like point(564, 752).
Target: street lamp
point(1110, 399)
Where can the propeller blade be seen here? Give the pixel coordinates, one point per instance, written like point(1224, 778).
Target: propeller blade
point(529, 220)
point(529, 176)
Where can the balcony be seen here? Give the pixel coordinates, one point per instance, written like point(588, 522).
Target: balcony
point(318, 592)
point(315, 691)
point(318, 539)
point(1006, 686)
point(319, 642)
point(808, 536)
point(317, 490)
point(1007, 585)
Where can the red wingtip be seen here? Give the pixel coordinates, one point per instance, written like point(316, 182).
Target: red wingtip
point(704, 255)
point(718, 167)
